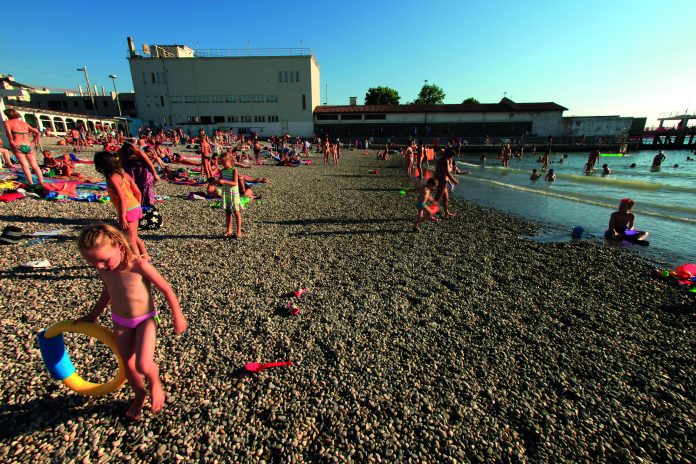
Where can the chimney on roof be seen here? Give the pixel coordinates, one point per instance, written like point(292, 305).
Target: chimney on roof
point(353, 101)
point(131, 47)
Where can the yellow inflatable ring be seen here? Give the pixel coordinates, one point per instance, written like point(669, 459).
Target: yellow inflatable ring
point(60, 366)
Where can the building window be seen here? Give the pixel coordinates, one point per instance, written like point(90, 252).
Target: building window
point(245, 118)
point(244, 99)
point(206, 120)
point(259, 98)
point(161, 101)
point(232, 119)
point(273, 119)
point(147, 101)
point(351, 117)
point(176, 99)
point(159, 77)
point(144, 79)
point(231, 98)
point(218, 119)
point(327, 117)
point(202, 99)
point(193, 119)
point(285, 76)
point(190, 99)
point(297, 76)
point(272, 98)
point(153, 77)
point(304, 102)
point(375, 116)
point(216, 98)
point(259, 119)
point(280, 76)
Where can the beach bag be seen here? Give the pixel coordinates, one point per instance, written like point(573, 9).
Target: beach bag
point(152, 219)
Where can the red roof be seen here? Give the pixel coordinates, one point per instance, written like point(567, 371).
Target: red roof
point(505, 105)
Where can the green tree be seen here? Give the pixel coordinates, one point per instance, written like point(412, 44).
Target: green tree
point(430, 94)
point(382, 96)
point(472, 100)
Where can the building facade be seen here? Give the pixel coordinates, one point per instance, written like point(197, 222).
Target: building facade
point(106, 105)
point(271, 91)
point(476, 122)
point(503, 119)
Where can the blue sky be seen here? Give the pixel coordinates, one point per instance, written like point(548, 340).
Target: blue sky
point(627, 57)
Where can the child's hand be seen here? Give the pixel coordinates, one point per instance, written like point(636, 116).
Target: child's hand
point(124, 222)
point(180, 325)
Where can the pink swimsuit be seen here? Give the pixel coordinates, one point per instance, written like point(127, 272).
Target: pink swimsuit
point(132, 323)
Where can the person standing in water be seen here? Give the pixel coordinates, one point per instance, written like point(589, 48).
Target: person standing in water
point(658, 159)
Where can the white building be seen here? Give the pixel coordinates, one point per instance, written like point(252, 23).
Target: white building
point(270, 91)
point(503, 119)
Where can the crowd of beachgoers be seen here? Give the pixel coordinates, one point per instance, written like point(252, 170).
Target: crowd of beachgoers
point(461, 342)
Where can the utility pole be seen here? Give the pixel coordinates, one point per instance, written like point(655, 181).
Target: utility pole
point(118, 103)
point(89, 87)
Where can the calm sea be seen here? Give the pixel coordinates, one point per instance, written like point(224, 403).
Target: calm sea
point(665, 198)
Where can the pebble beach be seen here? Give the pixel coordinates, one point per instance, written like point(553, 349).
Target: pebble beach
point(464, 342)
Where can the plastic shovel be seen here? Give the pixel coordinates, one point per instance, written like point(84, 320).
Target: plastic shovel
point(258, 367)
point(300, 292)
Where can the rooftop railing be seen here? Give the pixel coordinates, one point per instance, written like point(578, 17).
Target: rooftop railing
point(241, 52)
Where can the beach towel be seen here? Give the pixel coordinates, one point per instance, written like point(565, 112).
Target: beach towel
point(10, 196)
point(78, 160)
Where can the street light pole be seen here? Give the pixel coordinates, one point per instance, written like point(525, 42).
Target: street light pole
point(118, 103)
point(89, 87)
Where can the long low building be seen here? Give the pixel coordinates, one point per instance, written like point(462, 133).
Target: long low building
point(59, 122)
point(506, 119)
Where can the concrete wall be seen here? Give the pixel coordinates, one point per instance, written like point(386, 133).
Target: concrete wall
point(215, 86)
point(596, 126)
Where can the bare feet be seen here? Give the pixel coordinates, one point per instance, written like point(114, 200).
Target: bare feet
point(157, 396)
point(136, 408)
point(450, 214)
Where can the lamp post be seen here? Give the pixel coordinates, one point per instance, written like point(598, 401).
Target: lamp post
point(89, 87)
point(118, 103)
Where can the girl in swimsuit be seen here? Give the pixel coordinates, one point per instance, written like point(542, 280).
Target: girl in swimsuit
point(18, 134)
point(206, 152)
point(125, 197)
point(127, 282)
point(621, 223)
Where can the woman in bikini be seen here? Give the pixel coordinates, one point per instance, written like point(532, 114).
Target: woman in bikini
point(21, 143)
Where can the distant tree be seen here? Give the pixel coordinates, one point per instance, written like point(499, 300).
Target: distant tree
point(430, 94)
point(382, 96)
point(472, 100)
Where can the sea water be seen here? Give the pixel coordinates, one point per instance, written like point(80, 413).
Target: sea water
point(665, 198)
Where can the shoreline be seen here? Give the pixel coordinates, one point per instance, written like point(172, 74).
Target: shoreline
point(462, 342)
